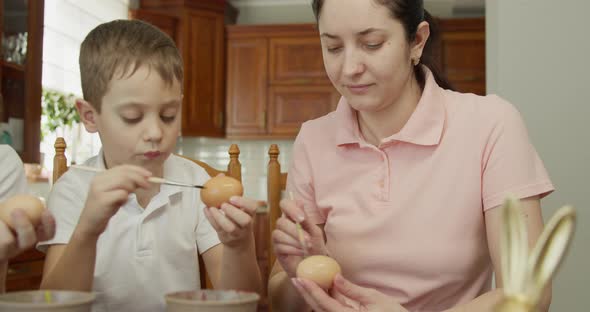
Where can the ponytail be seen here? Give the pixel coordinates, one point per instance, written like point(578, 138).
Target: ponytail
point(428, 57)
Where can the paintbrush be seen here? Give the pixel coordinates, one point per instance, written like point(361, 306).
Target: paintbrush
point(150, 179)
point(300, 231)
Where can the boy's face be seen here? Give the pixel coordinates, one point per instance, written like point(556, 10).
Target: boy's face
point(139, 120)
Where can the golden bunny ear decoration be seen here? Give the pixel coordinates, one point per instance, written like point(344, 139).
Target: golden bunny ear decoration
point(549, 251)
point(524, 276)
point(514, 247)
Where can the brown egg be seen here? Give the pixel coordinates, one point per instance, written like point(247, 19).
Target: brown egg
point(32, 206)
point(320, 269)
point(219, 190)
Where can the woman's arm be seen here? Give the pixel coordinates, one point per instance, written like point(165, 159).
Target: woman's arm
point(531, 209)
point(283, 295)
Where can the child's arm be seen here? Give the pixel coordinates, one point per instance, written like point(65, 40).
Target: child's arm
point(71, 266)
point(233, 264)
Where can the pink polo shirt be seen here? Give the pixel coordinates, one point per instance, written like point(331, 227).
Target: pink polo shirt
point(407, 217)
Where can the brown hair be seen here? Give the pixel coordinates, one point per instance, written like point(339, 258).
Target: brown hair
point(122, 46)
point(410, 13)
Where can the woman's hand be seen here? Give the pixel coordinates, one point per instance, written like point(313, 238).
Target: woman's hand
point(345, 297)
point(285, 237)
point(25, 235)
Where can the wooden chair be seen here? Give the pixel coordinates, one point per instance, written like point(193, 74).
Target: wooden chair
point(276, 184)
point(234, 170)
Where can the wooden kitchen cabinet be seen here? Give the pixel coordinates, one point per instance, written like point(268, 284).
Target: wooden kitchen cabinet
point(197, 27)
point(167, 24)
point(247, 70)
point(462, 53)
point(290, 106)
point(275, 80)
point(20, 86)
point(297, 61)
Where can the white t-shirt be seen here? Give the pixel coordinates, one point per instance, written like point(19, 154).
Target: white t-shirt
point(12, 173)
point(144, 253)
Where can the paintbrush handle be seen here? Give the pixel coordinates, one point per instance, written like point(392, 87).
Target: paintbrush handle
point(86, 168)
point(156, 180)
point(300, 231)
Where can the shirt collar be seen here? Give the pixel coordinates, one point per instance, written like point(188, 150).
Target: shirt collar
point(100, 163)
point(425, 126)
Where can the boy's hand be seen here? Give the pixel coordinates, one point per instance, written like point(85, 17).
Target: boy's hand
point(25, 235)
point(109, 190)
point(233, 222)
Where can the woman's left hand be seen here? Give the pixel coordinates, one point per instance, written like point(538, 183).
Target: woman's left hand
point(345, 297)
point(24, 235)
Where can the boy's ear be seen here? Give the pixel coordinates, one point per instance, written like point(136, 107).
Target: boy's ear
point(87, 115)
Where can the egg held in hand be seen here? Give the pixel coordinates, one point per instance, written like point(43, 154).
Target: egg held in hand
point(219, 190)
point(32, 206)
point(319, 269)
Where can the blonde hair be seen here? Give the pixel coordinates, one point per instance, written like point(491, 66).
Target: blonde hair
point(121, 47)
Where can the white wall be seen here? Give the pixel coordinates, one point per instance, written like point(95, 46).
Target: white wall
point(538, 58)
point(66, 24)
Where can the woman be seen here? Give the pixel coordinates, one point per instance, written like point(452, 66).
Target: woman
point(401, 183)
point(24, 235)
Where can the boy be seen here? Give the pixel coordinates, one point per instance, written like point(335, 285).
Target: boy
point(129, 240)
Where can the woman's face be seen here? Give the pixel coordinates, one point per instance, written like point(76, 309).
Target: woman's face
point(366, 53)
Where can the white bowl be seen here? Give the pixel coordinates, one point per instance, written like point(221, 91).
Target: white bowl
point(212, 301)
point(33, 301)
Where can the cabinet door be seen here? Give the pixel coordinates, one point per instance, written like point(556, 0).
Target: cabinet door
point(246, 86)
point(203, 54)
point(20, 73)
point(296, 60)
point(167, 24)
point(463, 55)
point(290, 106)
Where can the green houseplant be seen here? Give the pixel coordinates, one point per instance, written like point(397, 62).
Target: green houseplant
point(59, 110)
point(59, 117)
